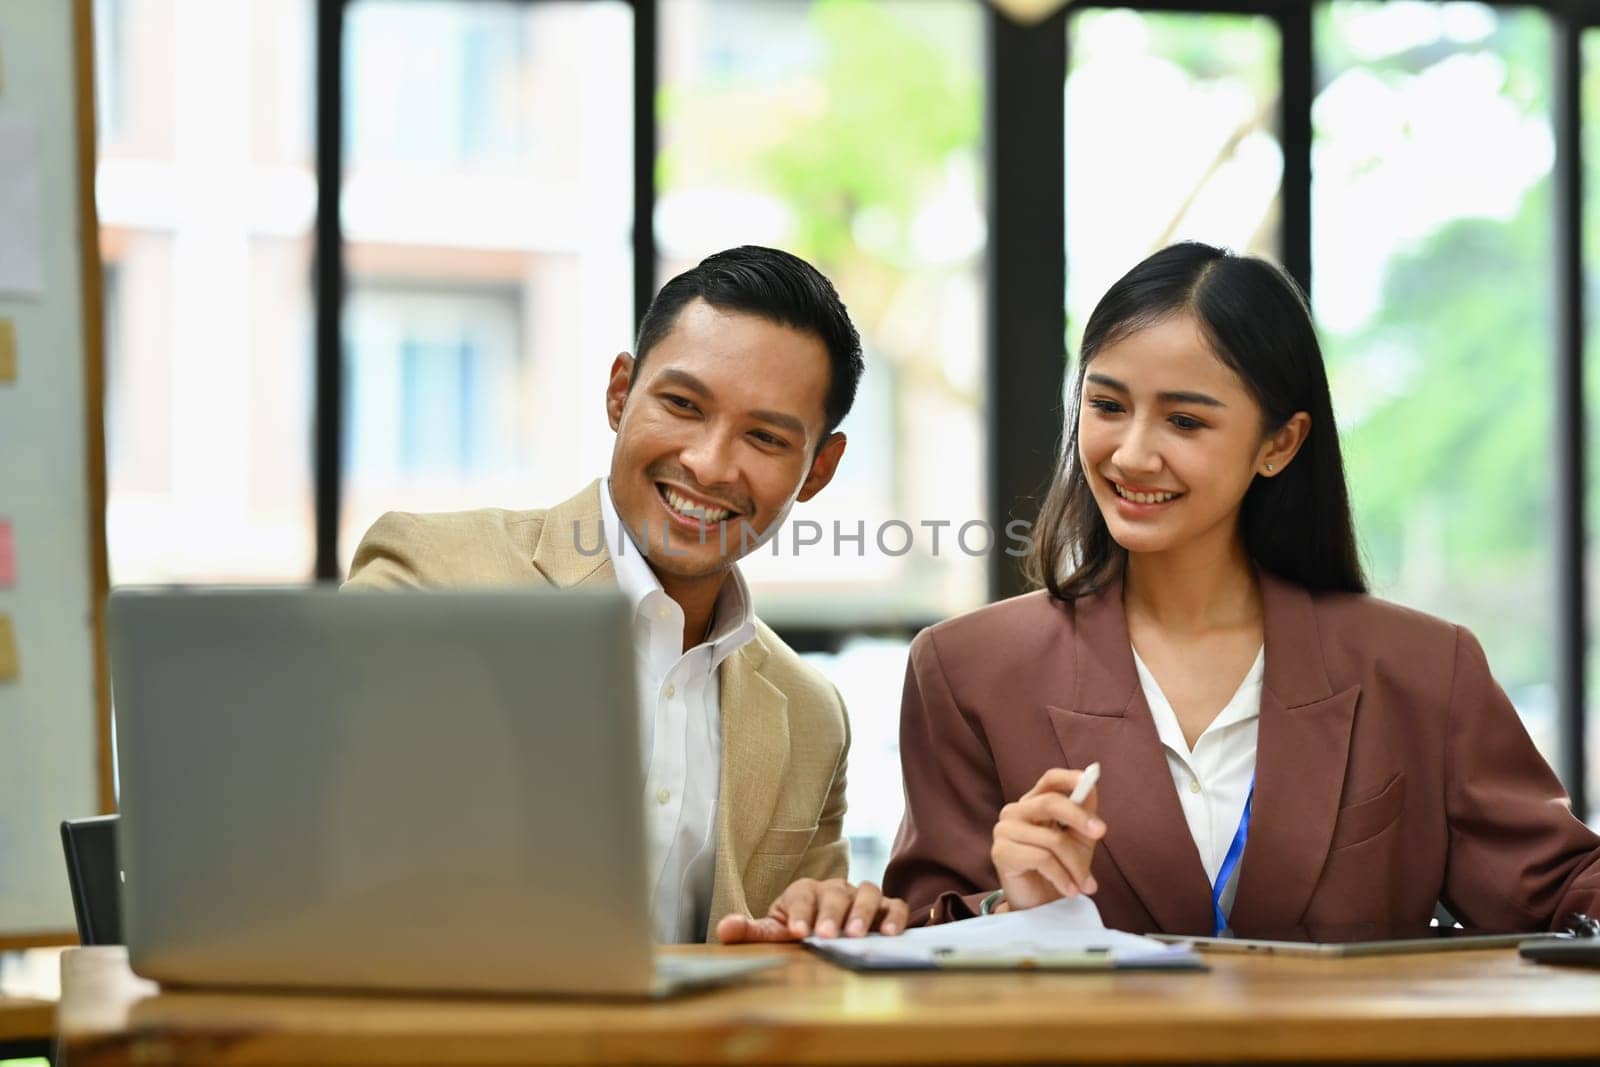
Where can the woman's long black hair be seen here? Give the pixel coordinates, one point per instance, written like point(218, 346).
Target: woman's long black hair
point(1296, 525)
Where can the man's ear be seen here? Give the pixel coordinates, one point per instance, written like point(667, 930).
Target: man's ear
point(617, 387)
point(823, 466)
point(1280, 449)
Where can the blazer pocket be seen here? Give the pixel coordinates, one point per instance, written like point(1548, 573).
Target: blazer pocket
point(780, 842)
point(1367, 819)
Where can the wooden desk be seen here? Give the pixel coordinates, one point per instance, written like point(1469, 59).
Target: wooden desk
point(1453, 1006)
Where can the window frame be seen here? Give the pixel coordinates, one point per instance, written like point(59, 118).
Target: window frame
point(1026, 275)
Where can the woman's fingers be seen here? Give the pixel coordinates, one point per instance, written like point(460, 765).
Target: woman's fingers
point(1056, 780)
point(1013, 858)
point(1048, 809)
point(1073, 857)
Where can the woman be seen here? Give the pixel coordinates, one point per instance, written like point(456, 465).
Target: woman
point(1281, 755)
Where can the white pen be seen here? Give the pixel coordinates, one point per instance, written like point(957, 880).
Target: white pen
point(1091, 775)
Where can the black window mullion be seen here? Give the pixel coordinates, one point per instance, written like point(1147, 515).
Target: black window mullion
point(1025, 131)
point(1296, 91)
point(1567, 71)
point(328, 287)
point(646, 77)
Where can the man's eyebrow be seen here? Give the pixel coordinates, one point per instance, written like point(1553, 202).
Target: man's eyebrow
point(684, 380)
point(782, 421)
point(1175, 396)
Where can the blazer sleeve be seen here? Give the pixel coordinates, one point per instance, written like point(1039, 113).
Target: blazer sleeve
point(391, 555)
point(941, 865)
point(1518, 857)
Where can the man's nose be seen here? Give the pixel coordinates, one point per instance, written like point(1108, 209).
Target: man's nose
point(709, 459)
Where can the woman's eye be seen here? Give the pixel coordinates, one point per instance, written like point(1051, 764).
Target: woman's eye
point(1185, 422)
point(1102, 404)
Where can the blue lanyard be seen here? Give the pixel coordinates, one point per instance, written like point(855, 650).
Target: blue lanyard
point(1231, 860)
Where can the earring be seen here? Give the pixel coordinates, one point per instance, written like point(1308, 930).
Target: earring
point(1269, 468)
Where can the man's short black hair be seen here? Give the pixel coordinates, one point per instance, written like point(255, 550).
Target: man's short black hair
point(777, 286)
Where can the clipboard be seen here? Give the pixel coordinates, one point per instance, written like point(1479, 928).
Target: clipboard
point(1095, 961)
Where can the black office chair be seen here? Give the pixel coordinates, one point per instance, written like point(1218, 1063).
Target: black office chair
point(95, 877)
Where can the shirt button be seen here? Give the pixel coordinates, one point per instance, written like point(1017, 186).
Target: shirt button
point(1194, 785)
point(663, 796)
point(672, 691)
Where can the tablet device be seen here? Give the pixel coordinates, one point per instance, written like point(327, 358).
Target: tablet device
point(1570, 952)
point(1438, 939)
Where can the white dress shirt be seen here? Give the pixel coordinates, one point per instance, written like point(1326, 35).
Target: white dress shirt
point(680, 723)
point(1214, 778)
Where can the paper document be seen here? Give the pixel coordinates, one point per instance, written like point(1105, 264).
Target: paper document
point(1067, 933)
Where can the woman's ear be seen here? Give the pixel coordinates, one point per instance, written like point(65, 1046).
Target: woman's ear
point(1280, 448)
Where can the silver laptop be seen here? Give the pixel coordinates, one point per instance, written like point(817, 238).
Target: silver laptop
point(417, 791)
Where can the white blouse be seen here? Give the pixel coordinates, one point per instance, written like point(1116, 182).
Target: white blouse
point(1213, 779)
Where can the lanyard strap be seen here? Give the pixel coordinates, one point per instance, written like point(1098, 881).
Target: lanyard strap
point(1231, 860)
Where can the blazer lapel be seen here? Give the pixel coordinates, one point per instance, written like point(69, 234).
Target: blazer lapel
point(1109, 721)
point(571, 550)
point(1302, 747)
point(755, 759)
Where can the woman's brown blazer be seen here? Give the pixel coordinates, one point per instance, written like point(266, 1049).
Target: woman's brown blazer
point(1392, 773)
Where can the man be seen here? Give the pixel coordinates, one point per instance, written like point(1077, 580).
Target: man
point(726, 416)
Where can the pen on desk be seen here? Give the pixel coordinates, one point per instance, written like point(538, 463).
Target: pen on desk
point(1091, 775)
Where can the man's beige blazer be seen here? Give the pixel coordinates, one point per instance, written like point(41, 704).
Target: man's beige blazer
point(780, 810)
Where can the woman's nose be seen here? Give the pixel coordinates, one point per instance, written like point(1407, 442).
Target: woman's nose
point(1136, 451)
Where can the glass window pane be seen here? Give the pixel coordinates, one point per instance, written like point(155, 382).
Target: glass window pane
point(1432, 281)
point(849, 134)
point(868, 672)
point(487, 207)
point(1171, 134)
point(206, 193)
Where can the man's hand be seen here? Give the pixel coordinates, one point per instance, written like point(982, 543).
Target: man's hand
point(824, 908)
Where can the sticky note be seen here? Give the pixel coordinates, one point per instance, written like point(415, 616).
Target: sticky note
point(8, 351)
point(8, 555)
point(9, 667)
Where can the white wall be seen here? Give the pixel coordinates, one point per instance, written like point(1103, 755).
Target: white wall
point(47, 716)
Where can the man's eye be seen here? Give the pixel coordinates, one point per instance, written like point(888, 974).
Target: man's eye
point(769, 439)
point(681, 403)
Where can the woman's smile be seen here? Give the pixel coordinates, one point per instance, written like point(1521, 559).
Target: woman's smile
point(1143, 498)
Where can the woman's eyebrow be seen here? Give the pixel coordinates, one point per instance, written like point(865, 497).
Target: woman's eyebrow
point(1171, 396)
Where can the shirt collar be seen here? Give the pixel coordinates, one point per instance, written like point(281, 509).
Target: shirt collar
point(1244, 705)
point(733, 623)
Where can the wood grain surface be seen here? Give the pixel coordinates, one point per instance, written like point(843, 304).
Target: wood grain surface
point(1450, 1006)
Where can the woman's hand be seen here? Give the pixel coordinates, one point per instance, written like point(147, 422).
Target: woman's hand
point(827, 909)
point(1043, 843)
